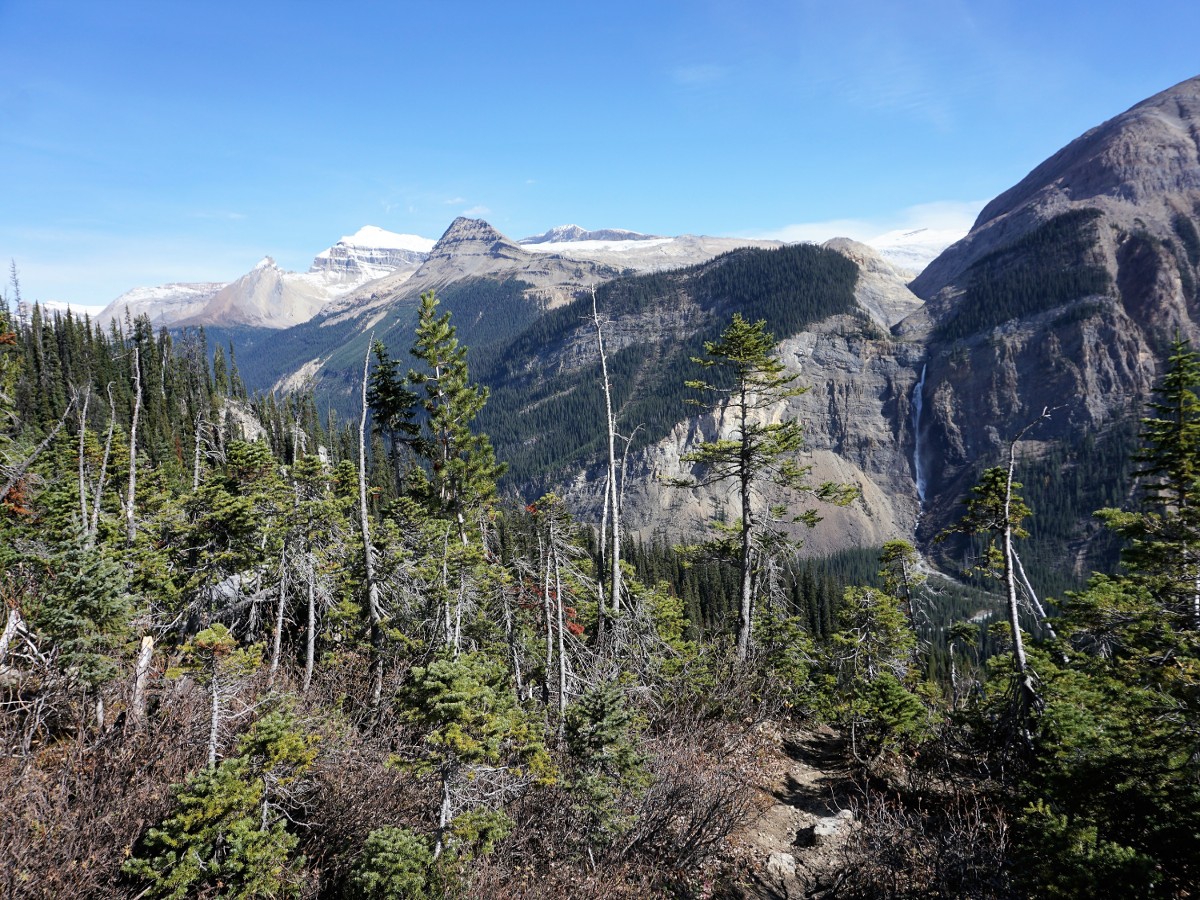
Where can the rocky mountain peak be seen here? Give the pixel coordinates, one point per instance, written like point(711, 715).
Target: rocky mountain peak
point(1140, 169)
point(465, 229)
point(474, 237)
point(564, 234)
point(882, 288)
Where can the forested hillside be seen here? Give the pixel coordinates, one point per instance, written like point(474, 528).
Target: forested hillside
point(254, 650)
point(545, 414)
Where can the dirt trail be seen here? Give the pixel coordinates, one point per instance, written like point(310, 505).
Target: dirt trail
point(789, 851)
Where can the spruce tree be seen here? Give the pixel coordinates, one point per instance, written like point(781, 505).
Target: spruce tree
point(744, 376)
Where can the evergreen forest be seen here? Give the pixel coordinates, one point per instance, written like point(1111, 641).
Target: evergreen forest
point(259, 646)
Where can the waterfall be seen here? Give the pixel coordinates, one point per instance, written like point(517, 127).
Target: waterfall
point(918, 402)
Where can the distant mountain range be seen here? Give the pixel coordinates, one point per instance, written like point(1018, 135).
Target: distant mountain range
point(1062, 297)
point(269, 297)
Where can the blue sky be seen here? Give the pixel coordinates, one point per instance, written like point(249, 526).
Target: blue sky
point(148, 142)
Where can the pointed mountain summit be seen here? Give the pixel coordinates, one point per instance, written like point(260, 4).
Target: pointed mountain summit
point(473, 238)
point(1063, 295)
point(268, 297)
point(1142, 165)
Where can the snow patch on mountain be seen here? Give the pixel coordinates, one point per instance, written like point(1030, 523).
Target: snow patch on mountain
point(165, 304)
point(560, 234)
point(268, 297)
point(914, 249)
point(596, 246)
point(375, 237)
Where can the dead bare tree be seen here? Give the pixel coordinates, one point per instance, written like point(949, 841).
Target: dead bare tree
point(130, 520)
point(611, 494)
point(374, 607)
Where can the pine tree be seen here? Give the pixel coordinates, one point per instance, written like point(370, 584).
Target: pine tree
point(749, 381)
point(1164, 536)
point(462, 465)
point(393, 405)
point(460, 482)
point(230, 833)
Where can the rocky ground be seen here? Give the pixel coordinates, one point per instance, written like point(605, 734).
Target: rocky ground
point(793, 848)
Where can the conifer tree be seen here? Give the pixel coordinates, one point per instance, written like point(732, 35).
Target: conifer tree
point(229, 836)
point(749, 381)
point(1164, 535)
point(460, 482)
point(393, 405)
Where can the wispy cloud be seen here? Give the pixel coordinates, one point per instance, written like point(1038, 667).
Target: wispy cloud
point(476, 211)
point(941, 216)
point(455, 201)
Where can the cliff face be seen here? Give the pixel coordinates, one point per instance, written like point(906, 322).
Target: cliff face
point(1063, 296)
point(1061, 299)
point(856, 417)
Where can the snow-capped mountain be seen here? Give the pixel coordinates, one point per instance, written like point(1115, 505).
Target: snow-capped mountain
point(370, 253)
point(561, 234)
point(269, 297)
point(914, 249)
point(632, 249)
point(165, 304)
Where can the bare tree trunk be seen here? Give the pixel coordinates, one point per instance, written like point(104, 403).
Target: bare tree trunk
point(196, 452)
point(443, 814)
point(1020, 663)
point(83, 491)
point(130, 521)
point(601, 585)
point(141, 675)
point(612, 496)
point(214, 723)
point(447, 611)
point(549, 621)
point(1033, 599)
point(745, 605)
point(310, 649)
point(20, 470)
point(102, 478)
point(562, 656)
point(374, 612)
point(277, 634)
point(12, 625)
point(510, 636)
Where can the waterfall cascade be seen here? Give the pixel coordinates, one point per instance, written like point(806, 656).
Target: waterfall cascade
point(918, 401)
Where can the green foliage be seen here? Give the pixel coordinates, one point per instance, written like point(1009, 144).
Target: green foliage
point(468, 715)
point(1163, 538)
point(786, 653)
point(229, 831)
point(1112, 801)
point(1048, 267)
point(462, 465)
point(609, 769)
point(476, 832)
point(790, 287)
point(214, 654)
point(758, 458)
point(1066, 859)
point(394, 865)
point(869, 685)
point(86, 613)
